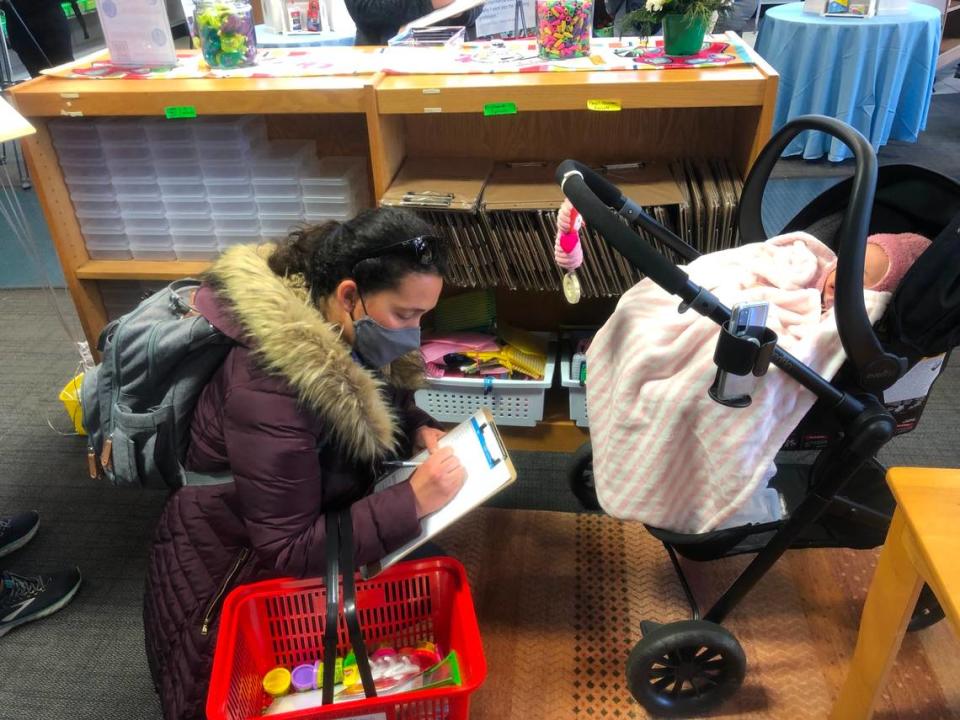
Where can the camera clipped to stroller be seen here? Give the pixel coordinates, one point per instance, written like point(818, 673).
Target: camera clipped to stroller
point(688, 668)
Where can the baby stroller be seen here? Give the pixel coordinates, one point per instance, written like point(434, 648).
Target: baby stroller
point(840, 499)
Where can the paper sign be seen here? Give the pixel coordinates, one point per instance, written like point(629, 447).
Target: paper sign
point(503, 108)
point(179, 112)
point(499, 17)
point(604, 105)
point(137, 32)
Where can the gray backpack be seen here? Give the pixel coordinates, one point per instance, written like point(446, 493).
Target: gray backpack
point(137, 403)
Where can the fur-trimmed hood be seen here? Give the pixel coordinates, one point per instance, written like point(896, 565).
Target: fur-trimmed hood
point(274, 317)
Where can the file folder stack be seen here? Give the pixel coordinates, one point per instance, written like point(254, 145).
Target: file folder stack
point(500, 220)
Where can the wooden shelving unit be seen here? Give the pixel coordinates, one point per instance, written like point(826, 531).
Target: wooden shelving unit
point(716, 112)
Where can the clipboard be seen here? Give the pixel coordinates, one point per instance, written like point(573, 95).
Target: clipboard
point(478, 444)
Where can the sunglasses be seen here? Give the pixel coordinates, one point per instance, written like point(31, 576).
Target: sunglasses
point(422, 247)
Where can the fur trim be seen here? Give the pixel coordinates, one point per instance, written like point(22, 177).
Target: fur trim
point(291, 338)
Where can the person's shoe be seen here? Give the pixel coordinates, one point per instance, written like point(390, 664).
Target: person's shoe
point(24, 598)
point(17, 530)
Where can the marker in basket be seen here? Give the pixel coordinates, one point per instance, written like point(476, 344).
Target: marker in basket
point(568, 243)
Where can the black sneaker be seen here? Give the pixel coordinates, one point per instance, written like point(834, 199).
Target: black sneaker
point(24, 598)
point(17, 530)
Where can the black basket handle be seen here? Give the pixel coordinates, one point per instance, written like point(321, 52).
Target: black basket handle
point(876, 368)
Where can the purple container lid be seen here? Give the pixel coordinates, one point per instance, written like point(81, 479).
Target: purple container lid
point(304, 677)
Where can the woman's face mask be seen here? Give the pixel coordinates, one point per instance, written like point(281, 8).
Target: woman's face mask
point(390, 324)
point(379, 346)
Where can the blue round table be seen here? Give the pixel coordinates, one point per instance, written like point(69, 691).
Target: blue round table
point(267, 38)
point(874, 73)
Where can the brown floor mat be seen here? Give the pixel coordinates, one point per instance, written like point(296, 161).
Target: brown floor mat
point(560, 598)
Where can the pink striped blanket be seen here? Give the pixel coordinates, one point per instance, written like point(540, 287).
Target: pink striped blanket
point(664, 453)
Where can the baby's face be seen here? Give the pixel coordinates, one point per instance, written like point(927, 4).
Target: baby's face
point(875, 266)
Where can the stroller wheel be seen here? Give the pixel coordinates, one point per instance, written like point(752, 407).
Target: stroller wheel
point(927, 612)
point(580, 477)
point(684, 669)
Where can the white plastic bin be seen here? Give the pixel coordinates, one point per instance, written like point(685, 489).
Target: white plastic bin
point(577, 392)
point(80, 153)
point(96, 208)
point(145, 225)
point(68, 131)
point(276, 189)
point(174, 150)
point(229, 190)
point(141, 208)
point(187, 207)
point(234, 207)
point(332, 209)
point(287, 206)
point(191, 225)
point(138, 190)
point(228, 238)
point(513, 402)
point(127, 153)
point(243, 130)
point(279, 227)
point(162, 131)
point(122, 130)
point(334, 177)
point(96, 226)
point(178, 171)
point(180, 190)
point(96, 191)
point(78, 173)
point(138, 172)
point(107, 244)
point(282, 159)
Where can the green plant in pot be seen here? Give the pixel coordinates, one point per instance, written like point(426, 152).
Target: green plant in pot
point(684, 22)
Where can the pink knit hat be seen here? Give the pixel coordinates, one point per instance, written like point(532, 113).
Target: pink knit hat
point(902, 251)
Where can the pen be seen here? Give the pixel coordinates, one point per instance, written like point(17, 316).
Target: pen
point(403, 463)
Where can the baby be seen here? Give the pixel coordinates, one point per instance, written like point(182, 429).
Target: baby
point(887, 259)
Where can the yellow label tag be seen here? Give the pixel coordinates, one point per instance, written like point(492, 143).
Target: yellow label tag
point(604, 105)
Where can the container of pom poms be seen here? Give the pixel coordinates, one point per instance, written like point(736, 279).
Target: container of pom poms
point(227, 36)
point(564, 28)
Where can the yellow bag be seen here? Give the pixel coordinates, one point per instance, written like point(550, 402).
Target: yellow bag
point(70, 397)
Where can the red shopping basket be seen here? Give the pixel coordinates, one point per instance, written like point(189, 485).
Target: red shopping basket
point(280, 622)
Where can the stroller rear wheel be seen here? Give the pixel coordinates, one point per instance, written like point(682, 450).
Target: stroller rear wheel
point(684, 669)
point(580, 477)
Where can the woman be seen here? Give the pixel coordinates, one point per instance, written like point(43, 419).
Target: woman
point(315, 394)
point(39, 33)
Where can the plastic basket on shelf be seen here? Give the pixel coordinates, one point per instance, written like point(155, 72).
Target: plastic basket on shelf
point(577, 392)
point(280, 623)
point(513, 402)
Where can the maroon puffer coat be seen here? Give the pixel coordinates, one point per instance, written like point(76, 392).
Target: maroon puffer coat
point(301, 426)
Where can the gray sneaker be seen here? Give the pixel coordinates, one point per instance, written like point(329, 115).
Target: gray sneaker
point(17, 530)
point(24, 598)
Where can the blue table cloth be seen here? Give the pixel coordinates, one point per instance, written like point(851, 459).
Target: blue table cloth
point(874, 73)
point(267, 38)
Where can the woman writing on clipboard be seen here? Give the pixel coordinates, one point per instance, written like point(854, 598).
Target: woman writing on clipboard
point(314, 395)
point(379, 20)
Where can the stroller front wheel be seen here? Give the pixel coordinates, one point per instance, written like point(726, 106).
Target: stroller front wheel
point(580, 477)
point(684, 669)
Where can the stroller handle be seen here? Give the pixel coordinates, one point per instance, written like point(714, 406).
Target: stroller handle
point(877, 369)
point(594, 197)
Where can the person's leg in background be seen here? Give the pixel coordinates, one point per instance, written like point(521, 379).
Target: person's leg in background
point(24, 598)
point(739, 18)
point(39, 35)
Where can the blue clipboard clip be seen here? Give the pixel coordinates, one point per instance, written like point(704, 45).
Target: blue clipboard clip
point(478, 429)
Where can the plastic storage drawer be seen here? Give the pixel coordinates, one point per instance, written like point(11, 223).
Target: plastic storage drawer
point(513, 402)
point(577, 392)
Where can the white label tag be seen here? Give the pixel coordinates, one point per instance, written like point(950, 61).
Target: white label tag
point(917, 382)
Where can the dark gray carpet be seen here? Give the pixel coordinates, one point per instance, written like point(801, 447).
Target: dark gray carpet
point(87, 662)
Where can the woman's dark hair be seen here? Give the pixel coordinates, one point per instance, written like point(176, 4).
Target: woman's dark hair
point(360, 249)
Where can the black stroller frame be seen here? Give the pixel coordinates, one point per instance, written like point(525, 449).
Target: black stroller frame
point(689, 667)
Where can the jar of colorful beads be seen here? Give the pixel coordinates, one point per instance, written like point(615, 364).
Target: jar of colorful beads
point(227, 37)
point(564, 28)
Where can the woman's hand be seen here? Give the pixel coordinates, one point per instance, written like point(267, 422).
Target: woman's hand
point(436, 481)
point(426, 438)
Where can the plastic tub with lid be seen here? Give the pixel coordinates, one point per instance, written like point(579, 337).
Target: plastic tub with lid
point(173, 150)
point(101, 225)
point(162, 131)
point(187, 207)
point(229, 238)
point(92, 191)
point(191, 224)
point(141, 207)
point(126, 153)
point(138, 190)
point(78, 173)
point(177, 190)
point(244, 129)
point(123, 172)
point(96, 208)
point(80, 153)
point(177, 171)
point(286, 206)
point(122, 130)
point(282, 159)
point(228, 189)
point(277, 189)
point(334, 177)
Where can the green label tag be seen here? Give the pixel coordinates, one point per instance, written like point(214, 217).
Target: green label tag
point(180, 112)
point(504, 108)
